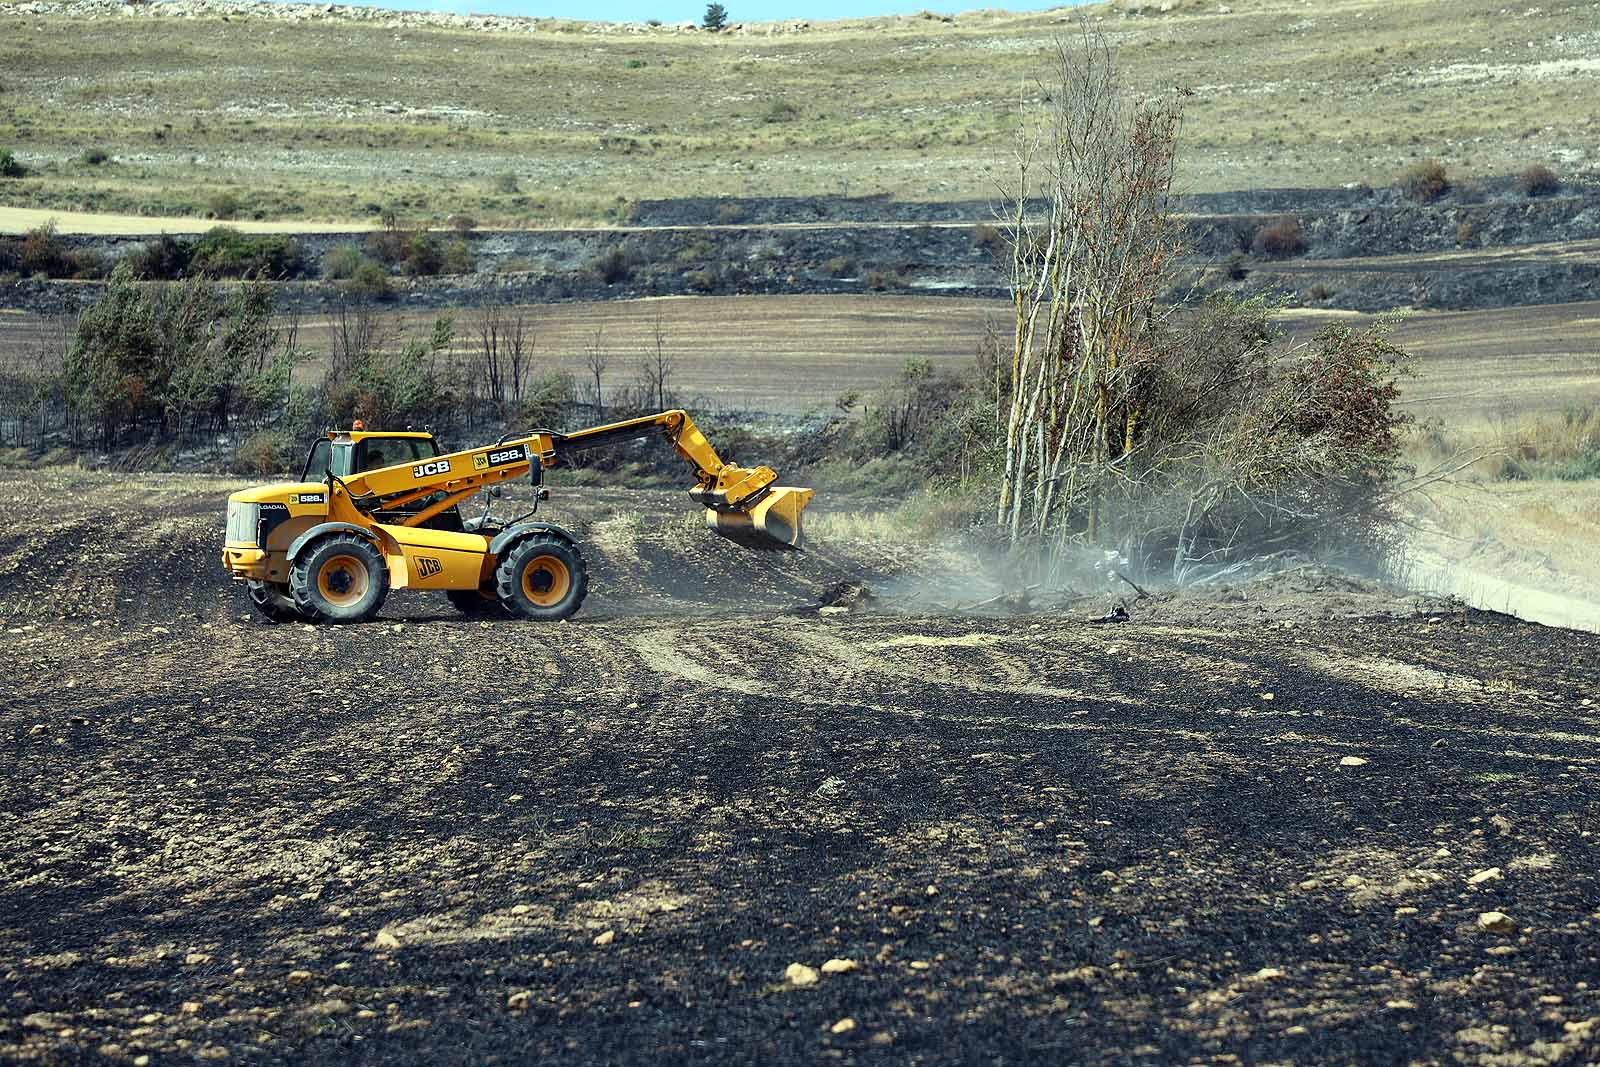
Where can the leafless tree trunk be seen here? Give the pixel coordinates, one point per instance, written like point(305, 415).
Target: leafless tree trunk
point(1085, 279)
point(656, 366)
point(504, 343)
point(594, 356)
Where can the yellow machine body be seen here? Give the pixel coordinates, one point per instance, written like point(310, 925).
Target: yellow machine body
point(388, 506)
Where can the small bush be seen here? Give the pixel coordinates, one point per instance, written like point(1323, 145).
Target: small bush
point(341, 262)
point(423, 256)
point(260, 455)
point(9, 167)
point(224, 252)
point(990, 239)
point(1280, 240)
point(1538, 180)
point(780, 111)
point(96, 156)
point(164, 259)
point(730, 212)
point(457, 258)
point(388, 245)
point(1464, 233)
point(43, 252)
point(840, 267)
point(369, 282)
point(880, 280)
point(610, 266)
point(463, 224)
point(701, 281)
point(85, 263)
point(224, 205)
point(1320, 293)
point(505, 183)
point(1424, 182)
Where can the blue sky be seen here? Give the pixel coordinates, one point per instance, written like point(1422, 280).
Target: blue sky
point(692, 10)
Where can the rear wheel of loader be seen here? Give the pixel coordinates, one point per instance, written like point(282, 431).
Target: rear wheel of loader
point(273, 602)
point(342, 578)
point(542, 577)
point(476, 602)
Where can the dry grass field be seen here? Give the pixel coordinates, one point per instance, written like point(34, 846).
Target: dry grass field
point(331, 118)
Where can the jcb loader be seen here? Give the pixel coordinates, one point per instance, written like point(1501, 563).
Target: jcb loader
point(381, 511)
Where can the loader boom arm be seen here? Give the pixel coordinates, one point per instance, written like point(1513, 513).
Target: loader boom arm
point(745, 495)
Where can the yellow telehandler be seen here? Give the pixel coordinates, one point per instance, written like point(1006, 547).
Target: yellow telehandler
point(380, 511)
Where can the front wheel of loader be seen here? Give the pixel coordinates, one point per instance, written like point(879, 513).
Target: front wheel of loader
point(273, 602)
point(543, 577)
point(342, 578)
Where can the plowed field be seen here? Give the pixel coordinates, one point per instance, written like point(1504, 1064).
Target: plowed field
point(1263, 824)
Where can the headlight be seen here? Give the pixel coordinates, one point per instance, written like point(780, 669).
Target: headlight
point(244, 521)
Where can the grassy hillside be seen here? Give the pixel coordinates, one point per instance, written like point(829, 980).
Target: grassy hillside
point(333, 118)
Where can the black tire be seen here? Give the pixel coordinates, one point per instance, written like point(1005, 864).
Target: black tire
point(543, 577)
point(341, 578)
point(273, 602)
point(478, 603)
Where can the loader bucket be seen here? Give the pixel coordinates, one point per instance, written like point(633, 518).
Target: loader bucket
point(773, 522)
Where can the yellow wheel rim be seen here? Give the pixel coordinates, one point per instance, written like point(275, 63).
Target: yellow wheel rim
point(545, 580)
point(342, 580)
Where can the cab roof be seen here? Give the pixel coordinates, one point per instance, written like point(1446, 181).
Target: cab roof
point(343, 436)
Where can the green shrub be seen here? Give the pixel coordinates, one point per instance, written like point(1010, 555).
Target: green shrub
point(164, 259)
point(224, 252)
point(9, 166)
point(369, 281)
point(1538, 180)
point(884, 279)
point(423, 257)
point(701, 281)
point(457, 258)
point(780, 111)
point(342, 261)
point(462, 224)
point(224, 205)
point(716, 17)
point(1280, 240)
point(1424, 182)
point(260, 455)
point(505, 183)
point(96, 156)
point(730, 212)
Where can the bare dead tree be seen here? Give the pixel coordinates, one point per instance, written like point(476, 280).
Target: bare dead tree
point(504, 344)
point(1085, 280)
point(358, 329)
point(594, 357)
point(656, 366)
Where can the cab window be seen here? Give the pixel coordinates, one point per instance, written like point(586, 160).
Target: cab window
point(317, 463)
point(391, 451)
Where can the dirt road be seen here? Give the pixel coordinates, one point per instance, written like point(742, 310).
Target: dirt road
point(606, 841)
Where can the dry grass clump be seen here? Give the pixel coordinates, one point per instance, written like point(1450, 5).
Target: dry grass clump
point(1424, 182)
point(1562, 446)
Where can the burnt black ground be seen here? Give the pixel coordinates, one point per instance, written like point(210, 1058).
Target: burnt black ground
point(1037, 839)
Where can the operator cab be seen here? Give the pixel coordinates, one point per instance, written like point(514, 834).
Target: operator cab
point(355, 451)
point(352, 452)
